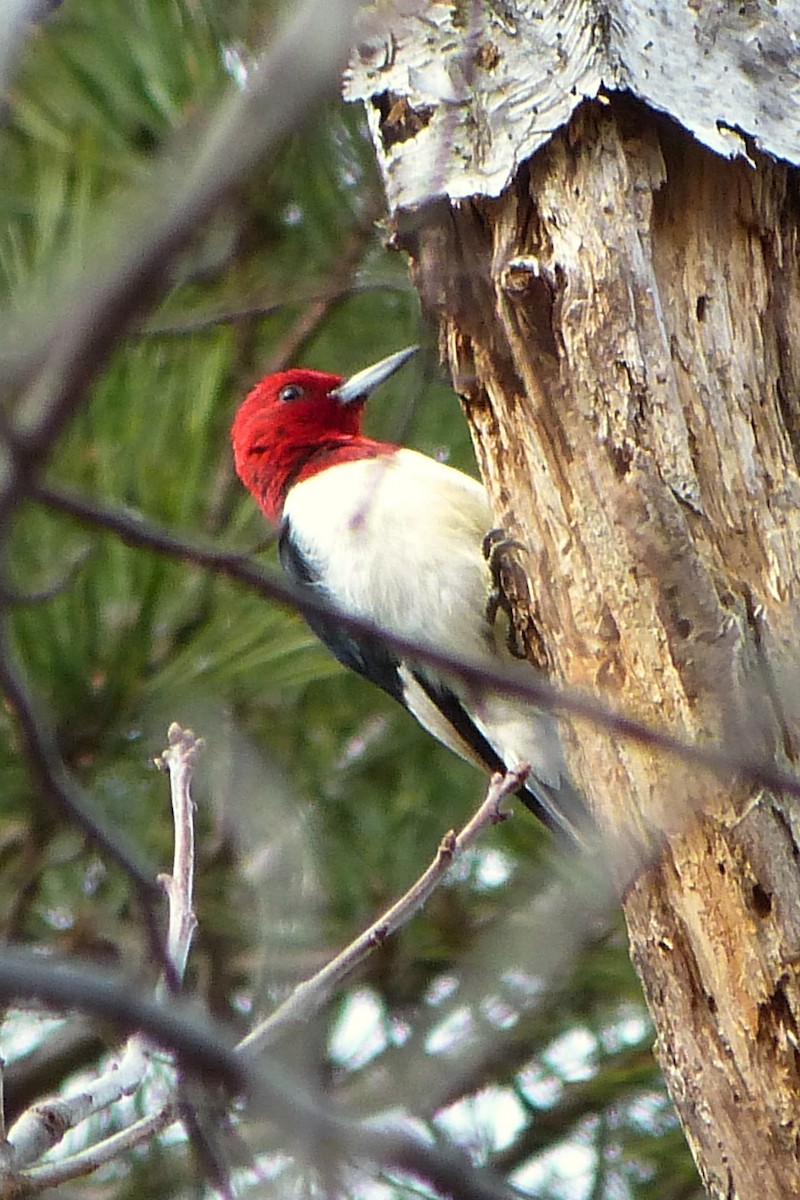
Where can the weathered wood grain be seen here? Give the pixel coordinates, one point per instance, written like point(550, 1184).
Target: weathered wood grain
point(459, 95)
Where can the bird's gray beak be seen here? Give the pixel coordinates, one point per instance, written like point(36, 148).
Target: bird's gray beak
point(362, 384)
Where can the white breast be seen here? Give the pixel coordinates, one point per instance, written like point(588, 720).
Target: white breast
point(397, 540)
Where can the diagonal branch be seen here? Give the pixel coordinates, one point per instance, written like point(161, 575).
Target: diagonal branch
point(310, 995)
point(299, 70)
point(111, 1149)
point(137, 531)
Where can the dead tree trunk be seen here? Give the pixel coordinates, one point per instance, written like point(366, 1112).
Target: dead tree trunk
point(621, 322)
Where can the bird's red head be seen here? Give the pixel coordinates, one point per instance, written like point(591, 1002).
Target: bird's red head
point(296, 423)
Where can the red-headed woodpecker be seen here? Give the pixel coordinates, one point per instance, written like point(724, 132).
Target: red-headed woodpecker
point(395, 538)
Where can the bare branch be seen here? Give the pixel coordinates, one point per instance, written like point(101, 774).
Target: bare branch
point(203, 1048)
point(10, 595)
point(199, 322)
point(45, 1124)
point(310, 995)
point(50, 1175)
point(179, 759)
point(2, 1101)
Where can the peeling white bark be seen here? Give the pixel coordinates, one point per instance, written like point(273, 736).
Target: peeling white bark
point(459, 94)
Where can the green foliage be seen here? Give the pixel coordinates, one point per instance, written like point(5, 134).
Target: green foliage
point(319, 801)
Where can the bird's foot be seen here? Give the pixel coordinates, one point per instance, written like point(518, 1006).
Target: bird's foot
point(507, 575)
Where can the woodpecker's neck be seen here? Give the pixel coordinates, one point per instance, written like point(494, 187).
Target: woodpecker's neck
point(270, 473)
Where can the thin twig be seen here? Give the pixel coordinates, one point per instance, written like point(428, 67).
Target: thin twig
point(110, 1149)
point(12, 595)
point(44, 1124)
point(138, 531)
point(180, 759)
point(316, 311)
point(34, 1133)
point(309, 996)
point(265, 308)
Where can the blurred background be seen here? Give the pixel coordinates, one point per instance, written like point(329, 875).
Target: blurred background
point(498, 1018)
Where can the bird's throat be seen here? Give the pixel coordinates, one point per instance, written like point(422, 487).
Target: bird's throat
point(309, 460)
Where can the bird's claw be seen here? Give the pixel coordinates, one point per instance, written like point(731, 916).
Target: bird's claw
point(496, 546)
point(495, 543)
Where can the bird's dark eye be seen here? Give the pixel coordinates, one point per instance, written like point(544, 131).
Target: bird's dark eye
point(292, 391)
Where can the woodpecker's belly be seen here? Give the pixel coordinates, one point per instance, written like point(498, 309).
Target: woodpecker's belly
point(397, 540)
